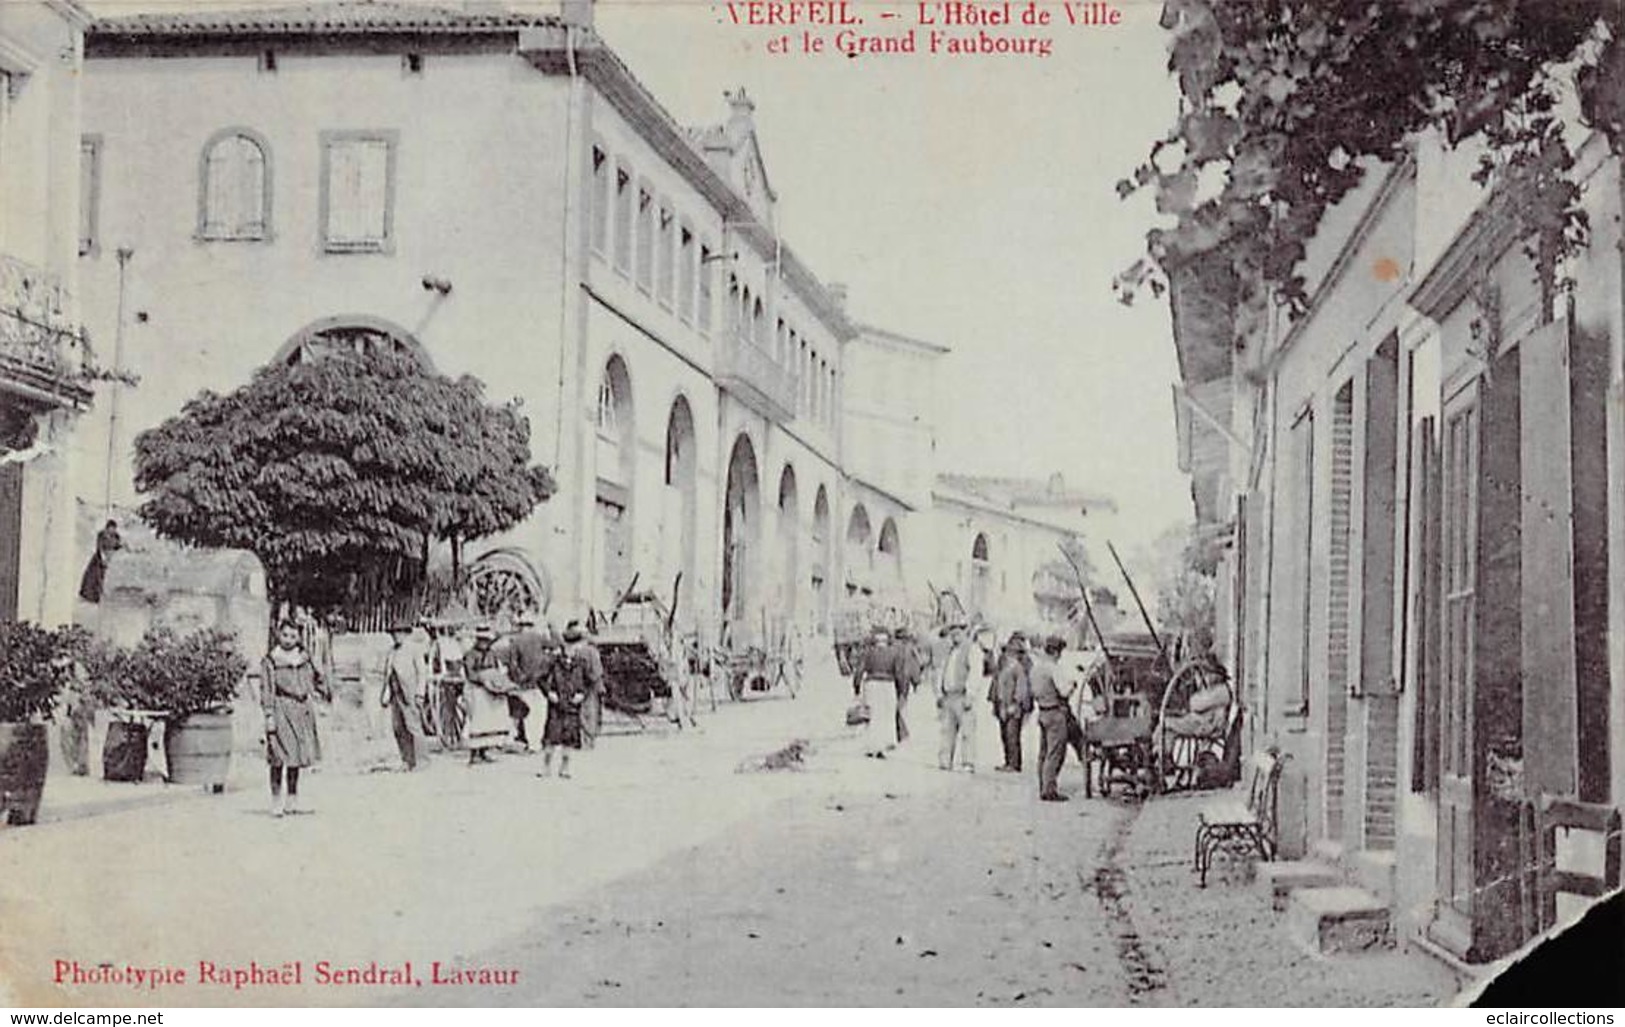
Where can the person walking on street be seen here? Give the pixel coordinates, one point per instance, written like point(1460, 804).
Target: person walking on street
point(567, 687)
point(530, 657)
point(402, 694)
point(1012, 699)
point(1051, 693)
point(289, 684)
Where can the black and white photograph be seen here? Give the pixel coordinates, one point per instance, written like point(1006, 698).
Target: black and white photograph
point(973, 504)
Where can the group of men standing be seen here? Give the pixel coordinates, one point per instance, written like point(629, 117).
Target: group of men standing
point(531, 689)
point(963, 664)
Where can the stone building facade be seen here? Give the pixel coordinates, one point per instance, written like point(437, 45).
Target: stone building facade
point(43, 350)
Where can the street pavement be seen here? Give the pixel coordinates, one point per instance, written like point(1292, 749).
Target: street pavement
point(668, 871)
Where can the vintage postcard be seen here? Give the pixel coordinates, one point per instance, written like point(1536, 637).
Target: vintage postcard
point(971, 503)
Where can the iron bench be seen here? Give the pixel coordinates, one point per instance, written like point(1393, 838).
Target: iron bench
point(1246, 827)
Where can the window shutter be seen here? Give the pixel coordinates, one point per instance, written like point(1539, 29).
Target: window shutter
point(249, 219)
point(358, 191)
point(1426, 611)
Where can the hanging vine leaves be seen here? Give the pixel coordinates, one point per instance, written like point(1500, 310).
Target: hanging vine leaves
point(1286, 104)
point(339, 465)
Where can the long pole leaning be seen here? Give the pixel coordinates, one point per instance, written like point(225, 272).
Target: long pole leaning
point(1088, 610)
point(1137, 602)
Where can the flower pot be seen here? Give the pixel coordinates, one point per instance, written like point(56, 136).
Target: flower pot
point(198, 748)
point(124, 755)
point(25, 751)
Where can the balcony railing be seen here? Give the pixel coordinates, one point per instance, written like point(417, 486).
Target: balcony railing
point(751, 373)
point(42, 350)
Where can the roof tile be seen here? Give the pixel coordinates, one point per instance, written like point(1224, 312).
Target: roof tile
point(321, 18)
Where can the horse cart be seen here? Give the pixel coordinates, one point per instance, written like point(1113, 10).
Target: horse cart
point(1152, 730)
point(642, 661)
point(752, 665)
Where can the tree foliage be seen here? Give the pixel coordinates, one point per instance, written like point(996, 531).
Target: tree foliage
point(1286, 104)
point(1187, 586)
point(338, 465)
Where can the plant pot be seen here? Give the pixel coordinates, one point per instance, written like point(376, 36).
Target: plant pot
point(124, 754)
point(198, 748)
point(25, 751)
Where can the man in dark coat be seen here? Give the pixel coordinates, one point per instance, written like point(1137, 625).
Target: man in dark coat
point(530, 657)
point(1012, 698)
point(108, 542)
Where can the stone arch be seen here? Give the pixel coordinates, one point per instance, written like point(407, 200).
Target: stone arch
point(889, 560)
point(741, 533)
point(823, 556)
point(679, 521)
point(981, 573)
point(615, 463)
point(859, 552)
point(360, 334)
point(789, 541)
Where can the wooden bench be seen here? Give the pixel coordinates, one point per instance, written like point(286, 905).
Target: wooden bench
point(1558, 813)
point(1243, 827)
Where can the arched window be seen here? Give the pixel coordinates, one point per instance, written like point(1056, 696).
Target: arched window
point(234, 202)
point(978, 549)
point(606, 408)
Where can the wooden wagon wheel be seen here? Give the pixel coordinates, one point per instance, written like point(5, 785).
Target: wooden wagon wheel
point(503, 581)
point(1193, 677)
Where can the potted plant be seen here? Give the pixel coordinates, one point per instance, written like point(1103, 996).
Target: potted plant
point(193, 679)
point(35, 664)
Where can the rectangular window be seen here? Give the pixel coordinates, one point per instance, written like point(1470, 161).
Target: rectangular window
point(600, 201)
point(645, 240)
point(834, 399)
point(90, 188)
point(358, 191)
point(623, 219)
point(665, 274)
point(702, 315)
point(685, 274)
point(812, 384)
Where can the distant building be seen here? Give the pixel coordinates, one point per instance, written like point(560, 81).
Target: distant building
point(499, 195)
point(42, 346)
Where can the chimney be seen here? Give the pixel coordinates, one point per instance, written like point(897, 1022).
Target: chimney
point(576, 13)
point(837, 292)
point(738, 101)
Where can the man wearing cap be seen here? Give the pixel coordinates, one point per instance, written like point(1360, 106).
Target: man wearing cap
point(1012, 699)
point(530, 659)
point(404, 690)
point(1051, 693)
point(486, 695)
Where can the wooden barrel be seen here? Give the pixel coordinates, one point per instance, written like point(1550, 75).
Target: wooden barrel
point(199, 750)
point(25, 751)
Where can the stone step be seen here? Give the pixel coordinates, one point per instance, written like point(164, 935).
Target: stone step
point(1341, 919)
point(1280, 879)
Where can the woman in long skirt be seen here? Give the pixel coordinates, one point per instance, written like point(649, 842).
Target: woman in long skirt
point(489, 726)
point(289, 684)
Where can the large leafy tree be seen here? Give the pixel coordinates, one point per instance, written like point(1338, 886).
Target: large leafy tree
point(1286, 104)
point(339, 466)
